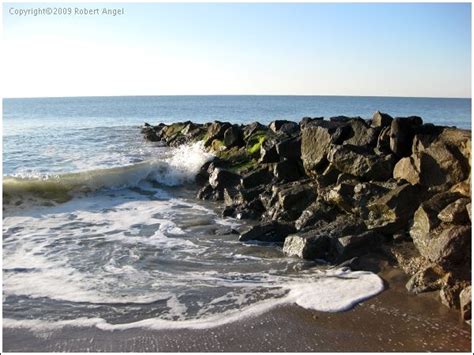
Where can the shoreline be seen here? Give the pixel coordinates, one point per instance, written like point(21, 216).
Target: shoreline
point(338, 189)
point(390, 321)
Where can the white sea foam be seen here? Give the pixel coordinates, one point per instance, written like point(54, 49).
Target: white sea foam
point(127, 250)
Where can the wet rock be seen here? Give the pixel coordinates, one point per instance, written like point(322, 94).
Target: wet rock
point(358, 162)
point(380, 119)
point(208, 193)
point(273, 232)
point(428, 279)
point(257, 177)
point(292, 201)
point(455, 212)
point(391, 212)
point(246, 210)
point(465, 302)
point(450, 292)
point(402, 131)
point(233, 136)
point(221, 178)
point(307, 245)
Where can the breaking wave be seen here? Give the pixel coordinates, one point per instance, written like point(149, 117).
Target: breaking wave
point(178, 168)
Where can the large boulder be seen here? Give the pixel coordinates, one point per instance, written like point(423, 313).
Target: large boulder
point(356, 244)
point(233, 136)
point(426, 221)
point(215, 131)
point(271, 232)
point(380, 119)
point(362, 134)
point(289, 148)
point(406, 169)
point(402, 131)
point(391, 212)
point(316, 139)
point(314, 213)
point(358, 162)
point(221, 178)
point(309, 245)
point(287, 170)
point(289, 201)
point(257, 177)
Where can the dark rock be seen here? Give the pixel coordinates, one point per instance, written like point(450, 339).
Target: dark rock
point(287, 170)
point(391, 212)
point(233, 136)
point(278, 125)
point(289, 148)
point(383, 141)
point(273, 232)
point(216, 131)
point(268, 153)
point(425, 219)
point(342, 196)
point(316, 212)
point(358, 162)
point(257, 177)
point(342, 118)
point(291, 201)
point(290, 129)
point(307, 245)
point(401, 134)
point(208, 193)
point(362, 134)
point(350, 245)
point(341, 134)
point(450, 247)
point(306, 120)
point(221, 178)
point(380, 119)
point(316, 141)
point(252, 128)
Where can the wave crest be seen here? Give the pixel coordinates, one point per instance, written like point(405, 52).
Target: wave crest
point(180, 167)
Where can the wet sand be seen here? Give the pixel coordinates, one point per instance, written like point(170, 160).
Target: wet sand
point(391, 321)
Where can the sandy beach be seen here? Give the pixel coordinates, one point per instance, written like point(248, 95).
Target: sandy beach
point(391, 321)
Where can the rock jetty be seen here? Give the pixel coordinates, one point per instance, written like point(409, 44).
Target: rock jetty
point(342, 188)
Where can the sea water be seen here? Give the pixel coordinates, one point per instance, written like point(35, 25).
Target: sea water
point(101, 228)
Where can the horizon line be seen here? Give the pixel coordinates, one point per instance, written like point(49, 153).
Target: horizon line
point(232, 95)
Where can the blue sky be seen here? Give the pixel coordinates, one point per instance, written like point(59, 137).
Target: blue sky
point(300, 49)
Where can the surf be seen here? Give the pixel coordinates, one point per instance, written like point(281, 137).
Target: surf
point(178, 168)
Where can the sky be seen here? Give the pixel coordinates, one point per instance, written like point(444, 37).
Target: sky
point(243, 49)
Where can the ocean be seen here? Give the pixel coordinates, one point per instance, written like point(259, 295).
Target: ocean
point(102, 229)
